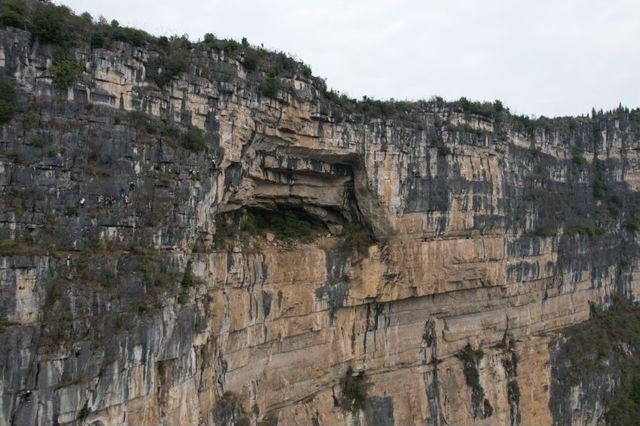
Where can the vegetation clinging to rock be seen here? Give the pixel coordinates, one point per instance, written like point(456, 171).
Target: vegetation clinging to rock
point(65, 72)
point(354, 391)
point(356, 240)
point(59, 25)
point(195, 140)
point(7, 101)
point(287, 224)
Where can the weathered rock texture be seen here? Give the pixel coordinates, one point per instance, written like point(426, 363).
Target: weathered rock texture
point(118, 308)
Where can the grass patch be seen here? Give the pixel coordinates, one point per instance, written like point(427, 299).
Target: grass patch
point(15, 247)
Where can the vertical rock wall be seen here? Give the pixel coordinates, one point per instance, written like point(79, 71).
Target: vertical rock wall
point(120, 305)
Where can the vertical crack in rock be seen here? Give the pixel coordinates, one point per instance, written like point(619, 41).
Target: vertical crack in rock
point(510, 365)
point(429, 355)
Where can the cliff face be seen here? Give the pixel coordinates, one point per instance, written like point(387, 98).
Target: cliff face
point(134, 292)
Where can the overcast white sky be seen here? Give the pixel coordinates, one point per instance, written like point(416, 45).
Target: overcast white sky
point(541, 57)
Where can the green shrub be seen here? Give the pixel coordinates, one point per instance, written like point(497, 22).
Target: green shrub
point(7, 101)
point(356, 240)
point(106, 276)
point(139, 120)
point(161, 279)
point(251, 225)
point(589, 348)
point(468, 354)
point(132, 36)
point(187, 278)
point(12, 13)
point(579, 160)
point(535, 152)
point(31, 118)
point(306, 70)
point(615, 204)
point(49, 23)
point(138, 250)
point(545, 232)
point(591, 231)
point(169, 129)
point(269, 87)
point(286, 224)
point(253, 58)
point(230, 46)
point(443, 150)
point(172, 66)
point(71, 211)
point(65, 72)
point(599, 186)
point(354, 391)
point(625, 412)
point(225, 231)
point(485, 109)
point(37, 141)
point(284, 65)
point(632, 225)
point(195, 140)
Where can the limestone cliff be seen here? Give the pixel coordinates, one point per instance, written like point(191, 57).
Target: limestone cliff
point(150, 272)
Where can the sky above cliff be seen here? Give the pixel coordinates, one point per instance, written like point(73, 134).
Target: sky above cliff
point(542, 57)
